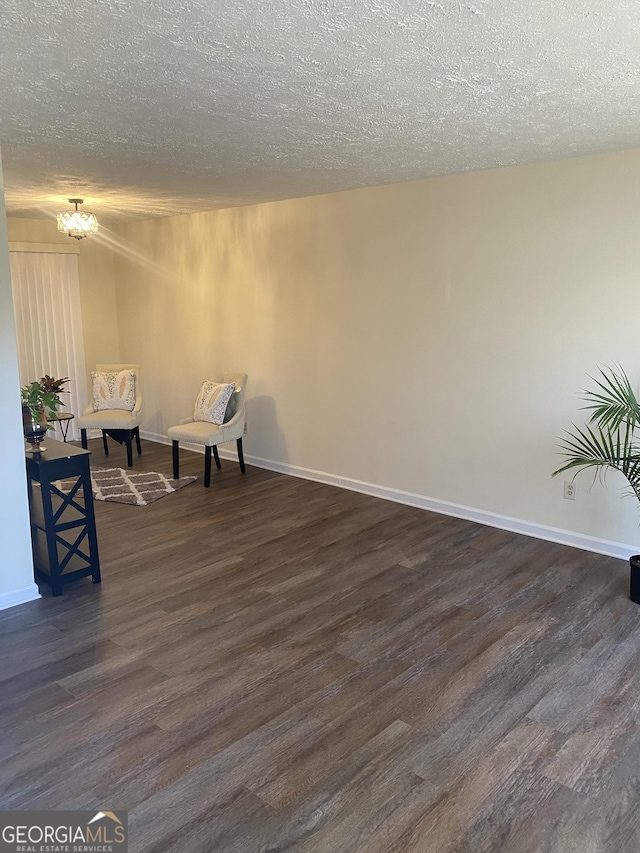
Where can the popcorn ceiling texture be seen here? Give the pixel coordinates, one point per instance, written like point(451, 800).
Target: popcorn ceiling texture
point(177, 106)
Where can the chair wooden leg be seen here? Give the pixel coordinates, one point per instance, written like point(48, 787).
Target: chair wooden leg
point(241, 456)
point(104, 443)
point(176, 460)
point(216, 457)
point(207, 466)
point(129, 449)
point(137, 435)
point(83, 438)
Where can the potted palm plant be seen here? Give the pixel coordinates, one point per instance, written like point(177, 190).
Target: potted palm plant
point(608, 441)
point(40, 402)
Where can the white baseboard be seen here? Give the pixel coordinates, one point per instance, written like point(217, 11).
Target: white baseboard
point(491, 519)
point(19, 596)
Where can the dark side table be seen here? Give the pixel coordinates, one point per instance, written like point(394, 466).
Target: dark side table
point(63, 525)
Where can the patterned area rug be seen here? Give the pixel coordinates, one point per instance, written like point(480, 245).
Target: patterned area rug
point(131, 487)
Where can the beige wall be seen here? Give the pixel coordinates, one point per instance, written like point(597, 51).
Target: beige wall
point(98, 298)
point(97, 288)
point(429, 337)
point(16, 565)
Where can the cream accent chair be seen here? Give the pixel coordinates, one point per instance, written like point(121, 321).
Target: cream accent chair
point(122, 426)
point(202, 432)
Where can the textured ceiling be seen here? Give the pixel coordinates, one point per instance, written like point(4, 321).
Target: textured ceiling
point(177, 106)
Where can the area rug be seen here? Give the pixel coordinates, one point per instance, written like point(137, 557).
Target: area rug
point(130, 487)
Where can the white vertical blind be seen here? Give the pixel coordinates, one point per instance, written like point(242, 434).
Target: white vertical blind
point(46, 299)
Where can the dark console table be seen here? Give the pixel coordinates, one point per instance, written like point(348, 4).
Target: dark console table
point(63, 526)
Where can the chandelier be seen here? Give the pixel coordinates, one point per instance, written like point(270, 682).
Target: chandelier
point(77, 224)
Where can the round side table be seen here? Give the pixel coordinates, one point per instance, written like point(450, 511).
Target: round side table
point(63, 418)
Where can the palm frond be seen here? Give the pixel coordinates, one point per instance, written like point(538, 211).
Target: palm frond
point(607, 441)
point(602, 449)
point(615, 403)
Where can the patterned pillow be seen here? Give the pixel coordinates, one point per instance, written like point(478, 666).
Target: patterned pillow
point(114, 390)
point(211, 402)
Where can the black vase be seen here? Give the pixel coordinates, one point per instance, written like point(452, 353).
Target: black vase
point(634, 565)
point(34, 428)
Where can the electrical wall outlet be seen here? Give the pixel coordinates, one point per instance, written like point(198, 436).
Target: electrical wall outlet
point(245, 431)
point(569, 490)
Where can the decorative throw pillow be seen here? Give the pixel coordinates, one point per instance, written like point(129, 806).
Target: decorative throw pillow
point(211, 402)
point(114, 390)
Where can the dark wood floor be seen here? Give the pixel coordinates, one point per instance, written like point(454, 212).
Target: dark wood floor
point(273, 664)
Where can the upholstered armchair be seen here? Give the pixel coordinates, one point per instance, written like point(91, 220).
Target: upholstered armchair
point(115, 407)
point(219, 416)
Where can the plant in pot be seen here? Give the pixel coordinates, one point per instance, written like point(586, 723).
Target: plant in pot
point(40, 402)
point(608, 441)
point(55, 385)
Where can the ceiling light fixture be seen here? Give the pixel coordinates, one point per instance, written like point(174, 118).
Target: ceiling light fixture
point(77, 224)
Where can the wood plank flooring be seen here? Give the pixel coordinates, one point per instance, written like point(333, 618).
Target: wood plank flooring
point(273, 664)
